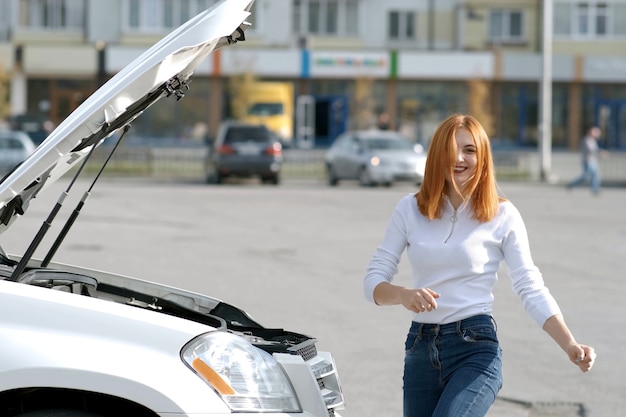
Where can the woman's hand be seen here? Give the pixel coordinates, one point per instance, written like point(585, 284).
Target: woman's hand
point(583, 356)
point(419, 300)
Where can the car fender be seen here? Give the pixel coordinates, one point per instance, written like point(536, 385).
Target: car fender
point(107, 348)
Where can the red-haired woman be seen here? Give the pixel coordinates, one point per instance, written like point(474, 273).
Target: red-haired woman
point(456, 230)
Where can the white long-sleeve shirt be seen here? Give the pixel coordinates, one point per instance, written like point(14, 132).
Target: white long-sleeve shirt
point(459, 259)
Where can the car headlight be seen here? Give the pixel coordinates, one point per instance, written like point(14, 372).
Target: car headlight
point(377, 162)
point(247, 378)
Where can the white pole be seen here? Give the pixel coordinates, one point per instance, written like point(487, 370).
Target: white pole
point(545, 103)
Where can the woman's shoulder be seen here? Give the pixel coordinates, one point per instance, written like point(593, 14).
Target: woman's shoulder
point(508, 210)
point(407, 202)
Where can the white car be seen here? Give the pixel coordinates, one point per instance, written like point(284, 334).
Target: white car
point(78, 342)
point(375, 157)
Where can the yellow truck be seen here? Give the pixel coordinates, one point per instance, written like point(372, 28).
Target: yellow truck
point(271, 103)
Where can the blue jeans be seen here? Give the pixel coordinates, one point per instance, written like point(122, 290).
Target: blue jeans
point(452, 370)
point(591, 174)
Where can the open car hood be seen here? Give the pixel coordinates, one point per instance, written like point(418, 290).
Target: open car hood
point(161, 71)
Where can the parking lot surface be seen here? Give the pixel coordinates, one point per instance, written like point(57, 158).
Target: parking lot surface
point(293, 256)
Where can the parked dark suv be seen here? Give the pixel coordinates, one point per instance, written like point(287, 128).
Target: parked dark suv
point(244, 150)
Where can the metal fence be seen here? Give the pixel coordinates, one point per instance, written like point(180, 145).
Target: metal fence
point(188, 163)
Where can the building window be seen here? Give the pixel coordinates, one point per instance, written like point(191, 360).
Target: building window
point(164, 15)
point(325, 17)
point(5, 15)
point(401, 25)
point(589, 20)
point(601, 19)
point(506, 26)
point(582, 19)
point(51, 14)
point(161, 15)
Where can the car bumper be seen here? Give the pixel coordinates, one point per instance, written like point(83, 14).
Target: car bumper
point(393, 175)
point(243, 166)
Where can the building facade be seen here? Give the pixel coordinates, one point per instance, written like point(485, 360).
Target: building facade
point(349, 59)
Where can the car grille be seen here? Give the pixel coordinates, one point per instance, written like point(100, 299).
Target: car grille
point(324, 370)
point(307, 350)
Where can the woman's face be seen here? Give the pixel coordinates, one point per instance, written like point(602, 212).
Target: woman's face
point(466, 159)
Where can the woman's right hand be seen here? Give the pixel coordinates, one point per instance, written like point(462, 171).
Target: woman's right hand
point(419, 300)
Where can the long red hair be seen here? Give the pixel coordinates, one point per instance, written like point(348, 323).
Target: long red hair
point(442, 154)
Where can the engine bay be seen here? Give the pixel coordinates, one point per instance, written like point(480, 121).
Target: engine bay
point(222, 316)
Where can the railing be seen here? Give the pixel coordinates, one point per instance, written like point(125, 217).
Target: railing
point(188, 163)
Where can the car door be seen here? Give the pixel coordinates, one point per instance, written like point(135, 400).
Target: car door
point(353, 158)
point(336, 156)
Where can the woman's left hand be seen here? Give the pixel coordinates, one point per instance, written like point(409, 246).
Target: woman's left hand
point(583, 356)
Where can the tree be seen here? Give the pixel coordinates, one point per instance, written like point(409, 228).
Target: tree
point(239, 87)
point(5, 105)
point(480, 105)
point(363, 103)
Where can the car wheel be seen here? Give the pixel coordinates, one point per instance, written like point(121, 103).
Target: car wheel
point(333, 181)
point(364, 178)
point(215, 178)
point(58, 413)
point(274, 179)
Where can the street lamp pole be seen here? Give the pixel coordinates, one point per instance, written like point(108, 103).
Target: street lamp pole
point(545, 103)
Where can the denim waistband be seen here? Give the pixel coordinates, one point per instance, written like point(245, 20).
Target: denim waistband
point(430, 329)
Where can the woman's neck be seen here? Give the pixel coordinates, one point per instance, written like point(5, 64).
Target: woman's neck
point(455, 198)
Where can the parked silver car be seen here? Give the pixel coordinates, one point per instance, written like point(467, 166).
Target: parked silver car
point(375, 157)
point(15, 147)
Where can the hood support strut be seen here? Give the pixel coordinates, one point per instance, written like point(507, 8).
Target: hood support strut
point(19, 268)
point(70, 221)
point(175, 86)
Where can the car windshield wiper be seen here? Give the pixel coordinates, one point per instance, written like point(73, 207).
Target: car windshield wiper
point(175, 86)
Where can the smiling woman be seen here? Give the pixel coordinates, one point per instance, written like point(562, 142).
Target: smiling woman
point(456, 231)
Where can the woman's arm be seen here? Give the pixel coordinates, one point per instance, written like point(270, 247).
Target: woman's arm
point(417, 300)
point(581, 355)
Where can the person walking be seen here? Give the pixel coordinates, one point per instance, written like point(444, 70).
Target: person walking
point(456, 230)
point(383, 122)
point(590, 152)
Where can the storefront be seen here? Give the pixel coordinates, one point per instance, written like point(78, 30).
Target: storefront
point(416, 89)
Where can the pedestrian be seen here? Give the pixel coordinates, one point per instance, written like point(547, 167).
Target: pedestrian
point(590, 152)
point(384, 121)
point(456, 230)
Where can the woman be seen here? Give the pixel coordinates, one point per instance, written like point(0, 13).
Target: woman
point(456, 231)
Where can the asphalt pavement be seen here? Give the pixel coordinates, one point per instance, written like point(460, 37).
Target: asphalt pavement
point(294, 255)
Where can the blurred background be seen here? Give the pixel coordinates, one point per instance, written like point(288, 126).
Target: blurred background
point(313, 69)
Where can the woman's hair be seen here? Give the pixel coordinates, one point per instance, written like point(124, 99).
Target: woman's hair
point(442, 155)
